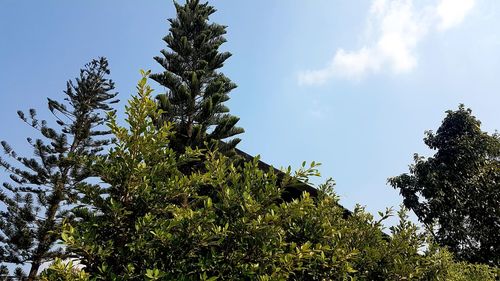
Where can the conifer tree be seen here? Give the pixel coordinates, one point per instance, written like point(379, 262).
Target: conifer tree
point(33, 202)
point(196, 90)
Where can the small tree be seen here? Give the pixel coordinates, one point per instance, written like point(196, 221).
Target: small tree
point(196, 91)
point(31, 221)
point(456, 193)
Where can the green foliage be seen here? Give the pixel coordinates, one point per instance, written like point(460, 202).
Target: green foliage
point(61, 271)
point(150, 221)
point(196, 90)
point(456, 193)
point(33, 202)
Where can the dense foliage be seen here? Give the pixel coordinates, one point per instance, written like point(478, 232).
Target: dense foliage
point(173, 202)
point(196, 90)
point(456, 192)
point(32, 204)
point(150, 222)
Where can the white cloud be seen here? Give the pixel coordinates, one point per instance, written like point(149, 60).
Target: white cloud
point(453, 12)
point(396, 28)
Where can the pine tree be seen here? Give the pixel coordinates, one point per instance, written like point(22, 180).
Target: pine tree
point(34, 201)
point(196, 91)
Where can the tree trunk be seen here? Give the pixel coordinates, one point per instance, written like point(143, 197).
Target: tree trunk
point(33, 271)
point(46, 237)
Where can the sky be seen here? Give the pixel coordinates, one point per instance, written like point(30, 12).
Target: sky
point(351, 84)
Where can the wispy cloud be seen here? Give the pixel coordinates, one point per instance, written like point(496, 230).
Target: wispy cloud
point(395, 27)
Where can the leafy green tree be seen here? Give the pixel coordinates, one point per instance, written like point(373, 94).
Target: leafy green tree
point(149, 221)
point(33, 203)
point(456, 192)
point(196, 90)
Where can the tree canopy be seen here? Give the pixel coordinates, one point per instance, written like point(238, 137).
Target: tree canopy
point(140, 227)
point(456, 192)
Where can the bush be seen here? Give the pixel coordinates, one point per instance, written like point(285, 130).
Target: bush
point(224, 221)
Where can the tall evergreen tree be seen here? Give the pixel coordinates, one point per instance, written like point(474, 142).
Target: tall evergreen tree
point(196, 90)
point(33, 203)
point(456, 192)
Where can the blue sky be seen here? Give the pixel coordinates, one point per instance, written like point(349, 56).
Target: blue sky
point(351, 84)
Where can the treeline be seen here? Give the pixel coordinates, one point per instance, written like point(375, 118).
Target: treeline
point(175, 201)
